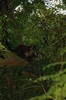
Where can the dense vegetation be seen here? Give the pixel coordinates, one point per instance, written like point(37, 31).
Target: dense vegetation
point(32, 51)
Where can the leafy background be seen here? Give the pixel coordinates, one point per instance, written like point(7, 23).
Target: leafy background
point(45, 77)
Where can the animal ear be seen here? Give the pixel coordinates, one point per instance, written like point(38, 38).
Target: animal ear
point(32, 48)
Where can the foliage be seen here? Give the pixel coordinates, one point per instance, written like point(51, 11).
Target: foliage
point(3, 48)
point(45, 29)
point(58, 88)
point(64, 2)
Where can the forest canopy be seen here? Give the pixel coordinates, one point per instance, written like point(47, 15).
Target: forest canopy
point(32, 50)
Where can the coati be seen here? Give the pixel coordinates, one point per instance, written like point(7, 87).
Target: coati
point(25, 52)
